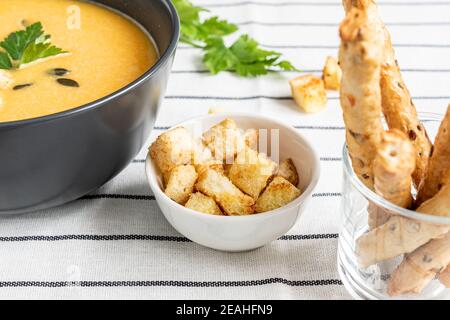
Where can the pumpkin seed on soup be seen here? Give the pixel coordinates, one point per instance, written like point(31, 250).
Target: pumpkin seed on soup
point(22, 86)
point(58, 72)
point(68, 82)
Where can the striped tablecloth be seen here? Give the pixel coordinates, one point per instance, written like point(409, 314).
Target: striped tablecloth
point(116, 243)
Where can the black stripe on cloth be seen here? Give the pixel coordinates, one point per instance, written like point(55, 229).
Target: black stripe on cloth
point(271, 70)
point(183, 97)
point(324, 159)
point(84, 237)
point(152, 198)
point(157, 283)
point(118, 196)
point(309, 237)
point(143, 237)
point(320, 127)
point(327, 195)
point(330, 159)
point(296, 127)
point(334, 25)
point(317, 4)
point(335, 47)
point(398, 45)
point(411, 70)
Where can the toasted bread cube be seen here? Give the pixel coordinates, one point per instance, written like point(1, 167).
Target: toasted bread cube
point(6, 80)
point(203, 160)
point(201, 203)
point(201, 153)
point(226, 169)
point(288, 171)
point(251, 138)
point(172, 149)
point(232, 200)
point(309, 93)
point(215, 110)
point(224, 140)
point(213, 165)
point(279, 193)
point(181, 183)
point(251, 172)
point(332, 74)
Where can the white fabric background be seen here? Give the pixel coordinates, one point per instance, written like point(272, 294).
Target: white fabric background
point(124, 248)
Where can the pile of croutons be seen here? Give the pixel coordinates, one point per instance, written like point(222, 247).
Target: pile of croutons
point(222, 173)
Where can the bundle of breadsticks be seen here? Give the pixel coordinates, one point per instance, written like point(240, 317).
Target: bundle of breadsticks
point(392, 163)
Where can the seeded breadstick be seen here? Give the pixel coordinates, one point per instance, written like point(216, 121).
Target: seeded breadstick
point(420, 267)
point(439, 162)
point(360, 56)
point(414, 274)
point(444, 277)
point(439, 205)
point(401, 235)
point(401, 114)
point(393, 166)
point(397, 104)
point(397, 236)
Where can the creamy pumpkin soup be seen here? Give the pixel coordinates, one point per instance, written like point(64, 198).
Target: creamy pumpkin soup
point(56, 55)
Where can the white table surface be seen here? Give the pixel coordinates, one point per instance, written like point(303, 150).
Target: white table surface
point(118, 244)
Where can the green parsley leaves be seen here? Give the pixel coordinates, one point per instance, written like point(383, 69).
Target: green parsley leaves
point(244, 56)
point(26, 46)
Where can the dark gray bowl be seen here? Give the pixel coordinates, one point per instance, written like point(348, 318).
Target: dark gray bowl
point(49, 161)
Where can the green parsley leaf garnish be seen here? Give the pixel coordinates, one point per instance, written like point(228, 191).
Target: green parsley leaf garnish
point(5, 62)
point(244, 56)
point(25, 46)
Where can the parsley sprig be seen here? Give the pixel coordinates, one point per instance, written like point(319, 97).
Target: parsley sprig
point(244, 56)
point(25, 46)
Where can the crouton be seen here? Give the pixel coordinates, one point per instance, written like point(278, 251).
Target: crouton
point(203, 160)
point(213, 165)
point(279, 193)
point(6, 80)
point(332, 74)
point(215, 110)
point(251, 137)
point(172, 149)
point(309, 93)
point(201, 203)
point(288, 171)
point(201, 153)
point(224, 139)
point(226, 169)
point(232, 200)
point(252, 171)
point(181, 183)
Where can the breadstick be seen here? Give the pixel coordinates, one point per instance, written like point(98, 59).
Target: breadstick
point(439, 205)
point(401, 235)
point(444, 277)
point(393, 166)
point(439, 163)
point(397, 104)
point(360, 56)
point(420, 267)
point(397, 236)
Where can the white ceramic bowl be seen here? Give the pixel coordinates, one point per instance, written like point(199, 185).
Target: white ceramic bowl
point(242, 233)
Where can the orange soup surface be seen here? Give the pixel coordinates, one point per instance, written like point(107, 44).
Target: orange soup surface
point(106, 52)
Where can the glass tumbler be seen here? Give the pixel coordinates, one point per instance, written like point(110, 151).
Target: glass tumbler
point(372, 282)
